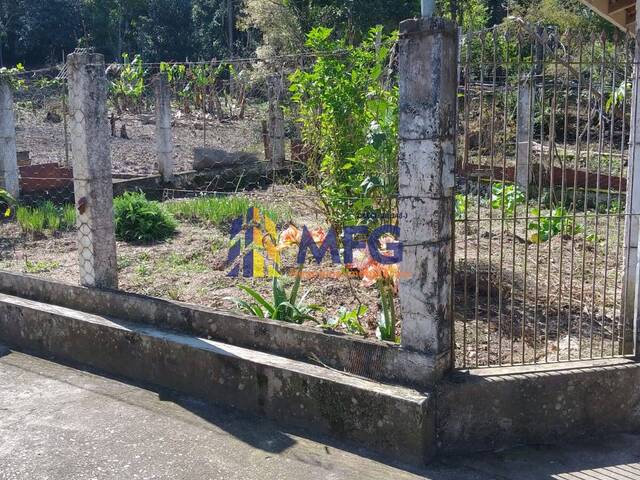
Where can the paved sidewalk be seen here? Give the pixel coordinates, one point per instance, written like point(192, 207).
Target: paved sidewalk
point(61, 423)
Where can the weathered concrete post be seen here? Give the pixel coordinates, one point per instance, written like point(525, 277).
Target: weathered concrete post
point(631, 286)
point(92, 169)
point(8, 157)
point(164, 142)
point(523, 135)
point(428, 83)
point(276, 121)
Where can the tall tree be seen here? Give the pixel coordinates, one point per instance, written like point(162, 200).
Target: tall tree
point(209, 19)
point(164, 32)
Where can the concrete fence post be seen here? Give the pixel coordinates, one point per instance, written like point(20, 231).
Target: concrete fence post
point(631, 293)
point(428, 84)
point(523, 136)
point(164, 142)
point(9, 180)
point(92, 169)
point(276, 121)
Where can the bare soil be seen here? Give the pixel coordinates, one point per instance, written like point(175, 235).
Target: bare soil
point(45, 140)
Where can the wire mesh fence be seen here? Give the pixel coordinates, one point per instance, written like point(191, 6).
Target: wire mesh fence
point(540, 207)
point(41, 223)
point(260, 146)
point(242, 155)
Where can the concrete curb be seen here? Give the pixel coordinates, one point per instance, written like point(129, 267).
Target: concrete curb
point(490, 409)
point(381, 361)
point(393, 421)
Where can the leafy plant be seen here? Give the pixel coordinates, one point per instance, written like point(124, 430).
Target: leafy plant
point(547, 226)
point(507, 197)
point(128, 88)
point(618, 95)
point(347, 106)
point(140, 220)
point(461, 206)
point(12, 76)
point(349, 319)
point(285, 307)
point(7, 203)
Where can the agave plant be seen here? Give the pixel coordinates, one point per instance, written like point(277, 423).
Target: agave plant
point(288, 308)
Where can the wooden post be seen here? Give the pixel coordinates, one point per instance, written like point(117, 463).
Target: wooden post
point(276, 121)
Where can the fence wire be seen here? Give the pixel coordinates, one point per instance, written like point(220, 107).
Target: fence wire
point(541, 193)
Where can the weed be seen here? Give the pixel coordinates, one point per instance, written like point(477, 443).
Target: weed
point(45, 216)
point(184, 263)
point(124, 262)
point(557, 222)
point(461, 206)
point(41, 266)
point(218, 210)
point(349, 319)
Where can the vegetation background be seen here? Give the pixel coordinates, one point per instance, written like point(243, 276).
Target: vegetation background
point(40, 32)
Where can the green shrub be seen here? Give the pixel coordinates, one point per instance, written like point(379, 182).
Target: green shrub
point(347, 108)
point(140, 220)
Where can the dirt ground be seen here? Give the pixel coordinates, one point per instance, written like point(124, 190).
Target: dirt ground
point(45, 140)
point(192, 266)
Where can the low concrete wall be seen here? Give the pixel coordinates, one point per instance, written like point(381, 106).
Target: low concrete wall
point(380, 361)
point(499, 408)
point(395, 422)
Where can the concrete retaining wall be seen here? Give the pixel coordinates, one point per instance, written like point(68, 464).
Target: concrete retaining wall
point(396, 422)
point(479, 410)
point(491, 409)
point(369, 358)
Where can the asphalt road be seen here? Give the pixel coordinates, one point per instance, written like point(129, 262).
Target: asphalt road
point(58, 422)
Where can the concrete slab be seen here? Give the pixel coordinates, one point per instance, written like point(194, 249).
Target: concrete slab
point(58, 422)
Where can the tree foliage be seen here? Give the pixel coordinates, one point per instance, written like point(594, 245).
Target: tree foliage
point(36, 32)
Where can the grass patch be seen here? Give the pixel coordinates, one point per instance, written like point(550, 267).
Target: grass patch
point(46, 217)
point(178, 263)
point(41, 266)
point(219, 210)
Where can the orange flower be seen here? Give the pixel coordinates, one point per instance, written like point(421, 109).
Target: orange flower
point(291, 236)
point(318, 234)
point(375, 271)
point(386, 238)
